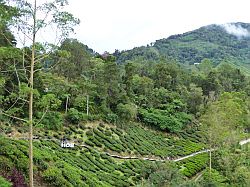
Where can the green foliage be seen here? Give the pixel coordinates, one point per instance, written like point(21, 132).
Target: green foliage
point(51, 120)
point(111, 118)
point(74, 116)
point(49, 101)
point(228, 115)
point(4, 182)
point(164, 120)
point(53, 175)
point(141, 141)
point(190, 166)
point(209, 42)
point(127, 112)
point(165, 175)
point(213, 178)
point(77, 61)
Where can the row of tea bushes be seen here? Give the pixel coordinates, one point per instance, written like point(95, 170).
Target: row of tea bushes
point(140, 141)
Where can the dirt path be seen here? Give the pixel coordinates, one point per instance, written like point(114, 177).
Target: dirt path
point(242, 142)
point(151, 159)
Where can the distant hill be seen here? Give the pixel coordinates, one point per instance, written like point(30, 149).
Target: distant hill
point(216, 42)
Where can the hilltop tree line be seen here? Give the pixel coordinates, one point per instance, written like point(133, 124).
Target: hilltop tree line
point(74, 79)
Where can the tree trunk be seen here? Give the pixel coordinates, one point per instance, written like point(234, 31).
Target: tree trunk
point(210, 161)
point(32, 64)
point(66, 107)
point(87, 105)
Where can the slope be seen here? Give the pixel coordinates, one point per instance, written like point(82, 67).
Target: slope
point(216, 42)
point(90, 162)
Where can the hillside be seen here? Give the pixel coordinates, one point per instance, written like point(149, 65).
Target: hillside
point(215, 42)
point(90, 162)
point(70, 117)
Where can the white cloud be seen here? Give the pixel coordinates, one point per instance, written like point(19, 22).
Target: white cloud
point(236, 30)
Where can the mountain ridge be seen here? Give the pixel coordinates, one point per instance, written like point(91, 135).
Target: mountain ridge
point(229, 41)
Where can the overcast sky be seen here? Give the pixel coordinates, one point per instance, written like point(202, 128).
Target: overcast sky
point(107, 25)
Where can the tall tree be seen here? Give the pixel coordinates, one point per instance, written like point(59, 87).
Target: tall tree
point(32, 20)
point(6, 14)
point(223, 119)
point(79, 61)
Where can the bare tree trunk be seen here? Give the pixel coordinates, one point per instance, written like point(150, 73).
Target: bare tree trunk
point(66, 107)
point(31, 100)
point(210, 161)
point(87, 105)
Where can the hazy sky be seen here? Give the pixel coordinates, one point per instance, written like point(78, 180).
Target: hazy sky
point(107, 25)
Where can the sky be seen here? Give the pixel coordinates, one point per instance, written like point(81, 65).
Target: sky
point(107, 25)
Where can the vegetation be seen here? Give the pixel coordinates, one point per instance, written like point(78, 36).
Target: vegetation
point(4, 182)
point(212, 42)
point(131, 114)
point(78, 167)
point(136, 140)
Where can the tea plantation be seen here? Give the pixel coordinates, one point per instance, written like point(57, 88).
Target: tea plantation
point(89, 163)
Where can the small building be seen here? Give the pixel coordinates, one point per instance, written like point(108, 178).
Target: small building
point(67, 144)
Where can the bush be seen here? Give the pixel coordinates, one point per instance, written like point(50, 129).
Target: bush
point(111, 118)
point(17, 178)
point(127, 112)
point(4, 182)
point(165, 120)
point(74, 116)
point(89, 133)
point(54, 176)
point(52, 120)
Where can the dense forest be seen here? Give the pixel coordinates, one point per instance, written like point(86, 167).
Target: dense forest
point(168, 114)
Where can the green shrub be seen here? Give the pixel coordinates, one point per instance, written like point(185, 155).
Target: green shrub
point(52, 120)
point(4, 182)
point(127, 112)
point(102, 125)
point(111, 118)
point(74, 116)
point(89, 143)
point(54, 176)
point(89, 133)
point(164, 120)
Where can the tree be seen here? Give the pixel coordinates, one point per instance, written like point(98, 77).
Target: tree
point(129, 72)
point(166, 75)
point(127, 112)
point(78, 62)
point(205, 66)
point(231, 78)
point(111, 80)
point(223, 119)
point(32, 19)
point(6, 14)
point(194, 99)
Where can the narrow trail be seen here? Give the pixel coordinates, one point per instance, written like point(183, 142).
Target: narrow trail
point(242, 142)
point(160, 160)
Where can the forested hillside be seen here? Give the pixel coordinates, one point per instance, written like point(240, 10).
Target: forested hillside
point(135, 118)
point(216, 42)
